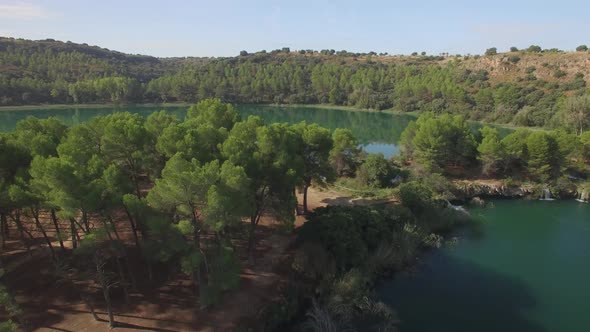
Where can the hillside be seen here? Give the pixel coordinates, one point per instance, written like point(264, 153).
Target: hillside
point(524, 88)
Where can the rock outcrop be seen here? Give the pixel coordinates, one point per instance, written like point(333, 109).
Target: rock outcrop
point(466, 190)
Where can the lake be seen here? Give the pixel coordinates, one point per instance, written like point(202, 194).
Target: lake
point(377, 132)
point(524, 266)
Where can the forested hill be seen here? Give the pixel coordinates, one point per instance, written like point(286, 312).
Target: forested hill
point(525, 87)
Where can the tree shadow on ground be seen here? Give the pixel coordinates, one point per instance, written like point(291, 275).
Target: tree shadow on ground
point(449, 294)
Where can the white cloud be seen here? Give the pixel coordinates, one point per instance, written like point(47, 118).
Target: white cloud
point(22, 11)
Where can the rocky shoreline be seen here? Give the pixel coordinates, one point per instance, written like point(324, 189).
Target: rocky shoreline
point(466, 191)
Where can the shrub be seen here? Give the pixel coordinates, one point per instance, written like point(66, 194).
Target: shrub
point(377, 172)
point(514, 58)
point(582, 48)
point(534, 49)
point(559, 73)
point(513, 49)
point(491, 51)
point(415, 196)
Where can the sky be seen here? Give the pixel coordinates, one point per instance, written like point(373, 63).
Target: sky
point(225, 27)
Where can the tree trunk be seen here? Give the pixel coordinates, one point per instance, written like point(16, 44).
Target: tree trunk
point(305, 187)
point(125, 256)
point(197, 243)
point(133, 226)
point(85, 221)
point(21, 230)
point(254, 219)
point(57, 231)
point(123, 280)
point(35, 212)
point(73, 231)
point(6, 229)
point(104, 284)
point(90, 307)
point(137, 191)
point(3, 225)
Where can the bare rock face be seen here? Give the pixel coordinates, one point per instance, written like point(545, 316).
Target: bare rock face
point(468, 190)
point(477, 201)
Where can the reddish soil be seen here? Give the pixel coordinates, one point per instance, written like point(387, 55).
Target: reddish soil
point(52, 305)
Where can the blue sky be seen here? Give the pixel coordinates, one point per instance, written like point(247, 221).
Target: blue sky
point(224, 27)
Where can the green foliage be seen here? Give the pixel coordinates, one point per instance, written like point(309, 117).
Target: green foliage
point(534, 49)
point(377, 172)
point(575, 113)
point(345, 154)
point(218, 191)
point(514, 59)
point(11, 307)
point(559, 73)
point(224, 274)
point(214, 112)
point(516, 148)
point(347, 234)
point(316, 145)
point(585, 141)
point(40, 136)
point(582, 48)
point(8, 326)
point(54, 72)
point(491, 151)
point(544, 160)
point(440, 141)
point(416, 196)
point(491, 51)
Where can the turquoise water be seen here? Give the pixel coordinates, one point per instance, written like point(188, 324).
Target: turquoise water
point(524, 266)
point(377, 132)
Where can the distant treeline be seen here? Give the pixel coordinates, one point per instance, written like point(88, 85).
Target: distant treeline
point(54, 72)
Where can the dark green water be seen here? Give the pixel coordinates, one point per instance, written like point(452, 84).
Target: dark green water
point(377, 132)
point(524, 267)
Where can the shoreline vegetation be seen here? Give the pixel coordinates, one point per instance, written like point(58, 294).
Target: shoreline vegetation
point(316, 106)
point(125, 209)
point(196, 197)
point(529, 87)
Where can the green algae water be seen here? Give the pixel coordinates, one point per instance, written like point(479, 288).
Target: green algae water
point(377, 132)
point(524, 266)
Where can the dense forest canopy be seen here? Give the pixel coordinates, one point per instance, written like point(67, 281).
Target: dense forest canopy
point(531, 87)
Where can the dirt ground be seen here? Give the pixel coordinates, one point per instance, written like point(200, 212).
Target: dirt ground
point(50, 305)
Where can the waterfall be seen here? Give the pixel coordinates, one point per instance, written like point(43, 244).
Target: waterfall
point(546, 195)
point(583, 197)
point(457, 208)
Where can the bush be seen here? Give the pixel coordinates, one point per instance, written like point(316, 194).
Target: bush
point(534, 49)
point(491, 51)
point(415, 196)
point(563, 187)
point(582, 48)
point(513, 49)
point(514, 59)
point(377, 172)
point(348, 234)
point(559, 73)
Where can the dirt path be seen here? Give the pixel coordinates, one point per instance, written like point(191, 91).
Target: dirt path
point(171, 307)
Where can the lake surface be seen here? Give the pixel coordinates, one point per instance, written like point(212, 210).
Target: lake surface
point(377, 132)
point(524, 266)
